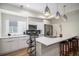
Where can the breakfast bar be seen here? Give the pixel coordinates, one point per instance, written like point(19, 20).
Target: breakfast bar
point(47, 46)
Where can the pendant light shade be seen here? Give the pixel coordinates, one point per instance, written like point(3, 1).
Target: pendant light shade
point(57, 13)
point(65, 16)
point(47, 11)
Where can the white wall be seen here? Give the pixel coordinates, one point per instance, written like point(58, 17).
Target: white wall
point(69, 27)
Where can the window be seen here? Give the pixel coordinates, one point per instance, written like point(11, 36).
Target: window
point(12, 26)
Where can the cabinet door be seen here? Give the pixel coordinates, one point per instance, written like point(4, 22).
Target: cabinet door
point(14, 44)
point(22, 42)
point(6, 46)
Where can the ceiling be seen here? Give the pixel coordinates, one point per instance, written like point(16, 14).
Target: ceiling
point(39, 7)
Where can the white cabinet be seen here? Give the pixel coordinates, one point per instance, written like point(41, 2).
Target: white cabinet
point(5, 46)
point(22, 42)
point(12, 44)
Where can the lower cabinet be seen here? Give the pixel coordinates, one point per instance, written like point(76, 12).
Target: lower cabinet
point(12, 44)
point(5, 47)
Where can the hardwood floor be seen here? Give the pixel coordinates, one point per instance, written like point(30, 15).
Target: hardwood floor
point(22, 52)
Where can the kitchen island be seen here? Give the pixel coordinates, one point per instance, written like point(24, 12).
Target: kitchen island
point(47, 46)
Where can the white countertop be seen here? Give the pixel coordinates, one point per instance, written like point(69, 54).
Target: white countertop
point(49, 41)
point(17, 36)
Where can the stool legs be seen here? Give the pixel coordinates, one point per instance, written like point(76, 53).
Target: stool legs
point(69, 47)
point(61, 49)
point(64, 48)
point(75, 47)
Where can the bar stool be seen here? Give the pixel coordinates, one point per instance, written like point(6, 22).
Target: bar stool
point(78, 41)
point(64, 48)
point(75, 46)
point(70, 46)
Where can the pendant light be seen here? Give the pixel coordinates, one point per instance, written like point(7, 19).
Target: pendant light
point(47, 11)
point(57, 13)
point(65, 16)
